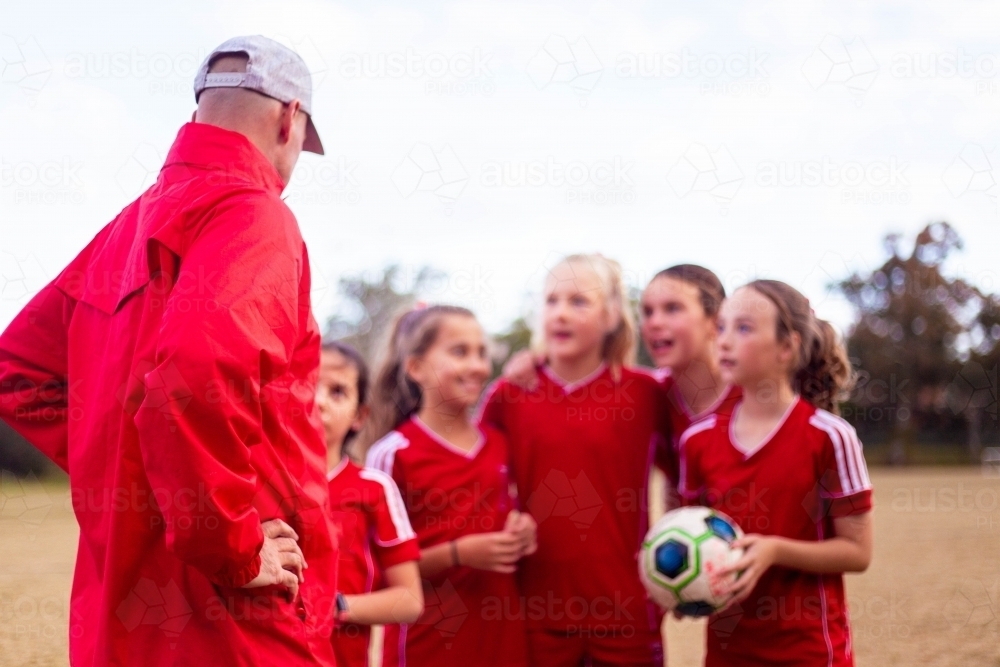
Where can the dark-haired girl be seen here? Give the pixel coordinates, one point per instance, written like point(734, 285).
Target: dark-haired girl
point(679, 323)
point(792, 474)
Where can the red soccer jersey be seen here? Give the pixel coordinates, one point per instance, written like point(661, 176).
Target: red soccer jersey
point(375, 534)
point(808, 471)
point(581, 455)
point(471, 617)
point(681, 417)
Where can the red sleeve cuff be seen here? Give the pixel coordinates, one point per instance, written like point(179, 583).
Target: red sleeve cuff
point(239, 577)
point(856, 503)
point(400, 553)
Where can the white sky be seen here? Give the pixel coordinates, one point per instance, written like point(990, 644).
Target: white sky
point(827, 127)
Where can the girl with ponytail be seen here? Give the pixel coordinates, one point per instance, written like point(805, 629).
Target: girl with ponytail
point(791, 473)
point(582, 439)
point(453, 477)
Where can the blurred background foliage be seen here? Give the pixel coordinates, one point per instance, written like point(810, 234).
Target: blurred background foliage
point(925, 345)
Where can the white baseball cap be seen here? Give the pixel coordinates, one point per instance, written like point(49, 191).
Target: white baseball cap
point(273, 69)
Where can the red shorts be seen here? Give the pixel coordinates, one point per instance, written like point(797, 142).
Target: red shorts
point(628, 645)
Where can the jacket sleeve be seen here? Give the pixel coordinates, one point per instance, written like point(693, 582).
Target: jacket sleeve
point(228, 328)
point(34, 383)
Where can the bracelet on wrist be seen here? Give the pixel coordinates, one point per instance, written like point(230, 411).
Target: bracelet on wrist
point(341, 606)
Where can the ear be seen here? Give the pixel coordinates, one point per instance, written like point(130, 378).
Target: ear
point(412, 367)
point(288, 113)
point(712, 326)
point(789, 348)
point(360, 418)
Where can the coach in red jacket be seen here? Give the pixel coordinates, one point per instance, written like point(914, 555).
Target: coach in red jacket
point(170, 369)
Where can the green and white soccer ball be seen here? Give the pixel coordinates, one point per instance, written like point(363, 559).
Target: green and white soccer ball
point(679, 552)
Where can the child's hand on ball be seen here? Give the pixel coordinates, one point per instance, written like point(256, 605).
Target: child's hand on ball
point(760, 552)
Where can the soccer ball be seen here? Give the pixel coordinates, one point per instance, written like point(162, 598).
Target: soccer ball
point(679, 552)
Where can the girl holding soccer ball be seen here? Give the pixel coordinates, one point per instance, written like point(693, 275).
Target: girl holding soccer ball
point(791, 473)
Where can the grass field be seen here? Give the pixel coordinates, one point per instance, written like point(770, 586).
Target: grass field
point(931, 596)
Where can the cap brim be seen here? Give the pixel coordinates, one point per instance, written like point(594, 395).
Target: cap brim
point(312, 142)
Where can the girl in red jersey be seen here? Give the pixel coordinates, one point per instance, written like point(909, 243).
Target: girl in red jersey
point(453, 475)
point(377, 578)
point(582, 442)
point(679, 323)
point(679, 312)
point(792, 474)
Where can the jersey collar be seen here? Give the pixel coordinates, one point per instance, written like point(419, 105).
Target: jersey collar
point(570, 387)
point(471, 454)
point(679, 399)
point(339, 468)
point(747, 453)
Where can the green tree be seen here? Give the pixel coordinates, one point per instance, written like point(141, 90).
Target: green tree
point(373, 305)
point(517, 337)
point(910, 336)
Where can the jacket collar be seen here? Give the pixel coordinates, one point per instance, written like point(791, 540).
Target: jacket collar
point(204, 146)
point(144, 238)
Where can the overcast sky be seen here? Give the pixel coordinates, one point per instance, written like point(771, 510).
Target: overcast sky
point(486, 139)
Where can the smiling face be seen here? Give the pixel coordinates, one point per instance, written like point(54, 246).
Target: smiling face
point(337, 397)
point(750, 353)
point(575, 319)
point(675, 328)
point(454, 369)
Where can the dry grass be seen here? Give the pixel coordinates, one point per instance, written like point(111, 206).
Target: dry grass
point(931, 597)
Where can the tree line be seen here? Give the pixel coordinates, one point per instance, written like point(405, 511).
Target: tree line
point(925, 345)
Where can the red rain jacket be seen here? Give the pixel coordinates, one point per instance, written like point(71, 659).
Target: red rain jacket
point(170, 369)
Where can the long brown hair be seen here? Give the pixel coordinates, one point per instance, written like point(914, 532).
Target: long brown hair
point(395, 396)
point(711, 293)
point(822, 372)
point(619, 343)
